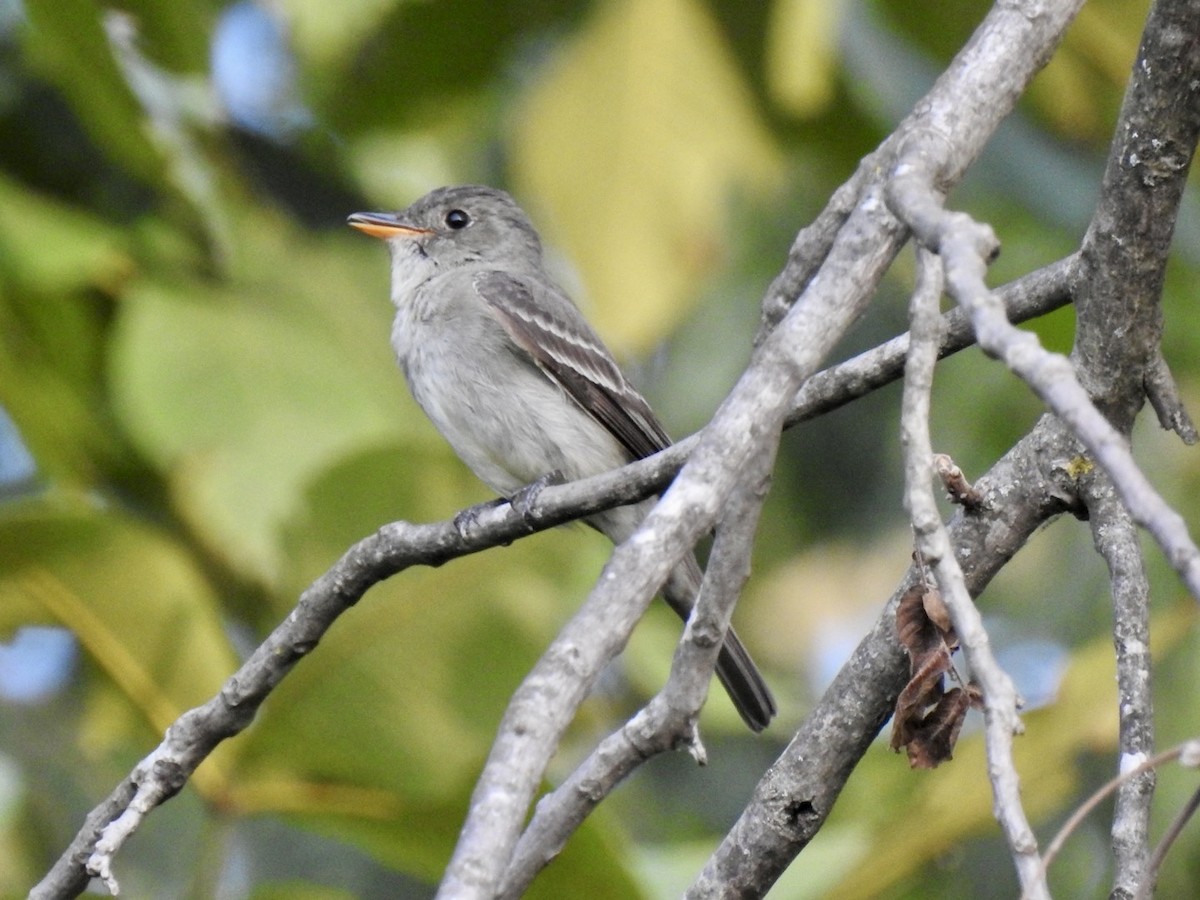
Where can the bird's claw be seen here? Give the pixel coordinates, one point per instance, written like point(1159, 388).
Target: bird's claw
point(465, 520)
point(524, 500)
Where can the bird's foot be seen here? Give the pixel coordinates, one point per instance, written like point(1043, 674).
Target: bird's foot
point(524, 500)
point(466, 520)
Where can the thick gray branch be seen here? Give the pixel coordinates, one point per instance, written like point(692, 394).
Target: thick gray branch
point(1123, 259)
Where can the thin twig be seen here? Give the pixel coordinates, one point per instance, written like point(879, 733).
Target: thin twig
point(1188, 751)
point(966, 248)
point(999, 695)
point(1146, 888)
point(1163, 393)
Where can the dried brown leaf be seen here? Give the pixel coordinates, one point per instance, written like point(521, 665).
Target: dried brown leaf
point(935, 607)
point(928, 717)
point(918, 634)
point(933, 740)
point(924, 689)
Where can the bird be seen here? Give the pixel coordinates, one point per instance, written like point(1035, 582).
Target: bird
point(511, 374)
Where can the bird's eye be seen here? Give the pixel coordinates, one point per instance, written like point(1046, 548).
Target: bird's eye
point(457, 218)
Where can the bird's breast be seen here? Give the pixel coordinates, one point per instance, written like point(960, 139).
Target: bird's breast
point(501, 414)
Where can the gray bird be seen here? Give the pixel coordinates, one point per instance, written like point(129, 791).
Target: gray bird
point(512, 375)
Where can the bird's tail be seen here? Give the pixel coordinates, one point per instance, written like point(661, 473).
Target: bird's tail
point(735, 669)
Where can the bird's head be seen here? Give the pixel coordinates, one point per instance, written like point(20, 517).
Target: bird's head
point(455, 226)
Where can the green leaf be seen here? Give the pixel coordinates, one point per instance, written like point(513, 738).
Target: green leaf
point(174, 34)
point(419, 60)
point(135, 599)
point(66, 43)
point(1079, 92)
point(51, 248)
point(243, 393)
point(372, 738)
point(327, 34)
point(377, 737)
point(142, 114)
point(55, 264)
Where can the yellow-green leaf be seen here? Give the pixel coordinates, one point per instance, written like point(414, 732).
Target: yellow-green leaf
point(630, 146)
point(51, 248)
point(801, 54)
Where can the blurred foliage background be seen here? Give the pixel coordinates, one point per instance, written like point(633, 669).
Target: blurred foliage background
point(199, 412)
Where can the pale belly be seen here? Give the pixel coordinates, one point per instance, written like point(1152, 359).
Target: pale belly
point(504, 418)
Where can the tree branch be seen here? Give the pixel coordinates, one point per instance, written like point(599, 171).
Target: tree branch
point(1119, 333)
point(1124, 253)
point(1029, 296)
point(189, 740)
point(755, 409)
point(669, 720)
point(999, 695)
point(793, 799)
point(966, 247)
point(1116, 540)
point(965, 106)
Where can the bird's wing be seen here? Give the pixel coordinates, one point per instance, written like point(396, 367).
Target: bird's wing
point(564, 347)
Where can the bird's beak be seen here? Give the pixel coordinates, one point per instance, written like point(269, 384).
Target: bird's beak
point(384, 225)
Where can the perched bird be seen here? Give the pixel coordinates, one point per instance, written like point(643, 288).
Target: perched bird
point(512, 375)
